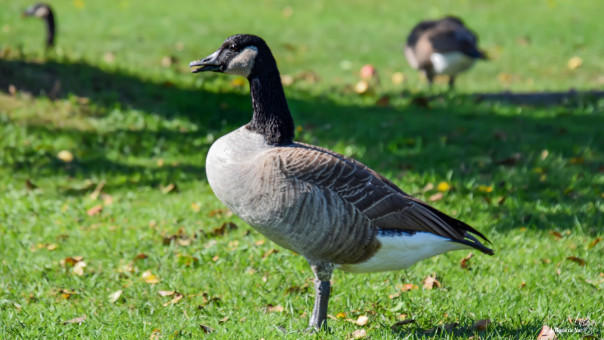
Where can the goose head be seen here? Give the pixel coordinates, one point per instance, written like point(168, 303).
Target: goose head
point(239, 55)
point(40, 11)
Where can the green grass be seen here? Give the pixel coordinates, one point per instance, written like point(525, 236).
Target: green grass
point(530, 178)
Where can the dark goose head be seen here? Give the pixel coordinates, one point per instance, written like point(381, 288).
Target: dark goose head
point(249, 56)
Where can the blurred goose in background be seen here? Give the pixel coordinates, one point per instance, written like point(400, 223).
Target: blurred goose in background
point(333, 210)
point(442, 46)
point(44, 12)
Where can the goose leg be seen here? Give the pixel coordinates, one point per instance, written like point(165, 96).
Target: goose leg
point(451, 82)
point(322, 289)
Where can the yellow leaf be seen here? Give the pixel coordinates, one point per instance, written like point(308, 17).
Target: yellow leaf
point(51, 246)
point(574, 63)
point(195, 207)
point(341, 315)
point(238, 82)
point(443, 186)
point(397, 78)
point(484, 188)
point(79, 4)
point(149, 277)
point(361, 87)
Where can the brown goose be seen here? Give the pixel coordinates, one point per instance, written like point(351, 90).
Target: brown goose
point(44, 12)
point(442, 46)
point(330, 208)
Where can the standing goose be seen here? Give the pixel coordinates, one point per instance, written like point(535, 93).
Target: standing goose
point(442, 46)
point(44, 12)
point(333, 210)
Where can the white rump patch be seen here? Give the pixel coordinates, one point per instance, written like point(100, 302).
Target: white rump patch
point(242, 64)
point(401, 250)
point(451, 63)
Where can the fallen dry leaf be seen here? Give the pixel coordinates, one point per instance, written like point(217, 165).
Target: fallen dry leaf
point(273, 309)
point(556, 234)
point(383, 101)
point(149, 277)
point(398, 324)
point(594, 242)
point(431, 282)
point(78, 268)
point(52, 246)
point(109, 57)
point(547, 334)
point(65, 156)
point(436, 197)
point(155, 335)
point(141, 256)
point(168, 61)
point(113, 297)
point(66, 293)
point(362, 320)
point(226, 226)
point(166, 292)
point(368, 71)
point(95, 210)
point(359, 334)
point(408, 286)
point(397, 78)
point(270, 252)
point(223, 320)
point(361, 87)
point(465, 261)
point(574, 63)
point(78, 320)
point(206, 329)
point(522, 284)
point(577, 260)
point(168, 188)
point(481, 325)
point(177, 297)
point(71, 261)
point(509, 161)
point(341, 315)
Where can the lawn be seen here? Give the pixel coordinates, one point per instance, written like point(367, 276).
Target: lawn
point(108, 228)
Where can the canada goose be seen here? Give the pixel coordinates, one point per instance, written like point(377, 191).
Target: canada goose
point(333, 210)
point(442, 46)
point(44, 12)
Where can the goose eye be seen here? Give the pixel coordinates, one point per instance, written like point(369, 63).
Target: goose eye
point(234, 47)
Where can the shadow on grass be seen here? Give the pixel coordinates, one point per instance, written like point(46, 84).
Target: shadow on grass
point(483, 142)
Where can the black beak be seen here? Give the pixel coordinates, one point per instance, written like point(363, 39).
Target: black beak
point(209, 63)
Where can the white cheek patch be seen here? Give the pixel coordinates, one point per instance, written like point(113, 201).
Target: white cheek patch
point(41, 12)
point(242, 64)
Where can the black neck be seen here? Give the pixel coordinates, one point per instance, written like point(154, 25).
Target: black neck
point(272, 117)
point(50, 30)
